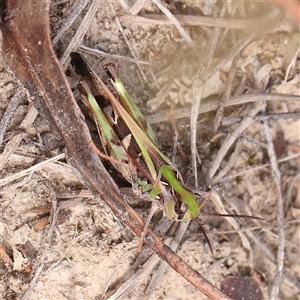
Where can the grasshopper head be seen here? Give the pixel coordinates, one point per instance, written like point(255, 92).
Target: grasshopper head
point(177, 210)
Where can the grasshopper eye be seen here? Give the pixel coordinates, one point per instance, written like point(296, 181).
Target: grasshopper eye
point(111, 71)
point(83, 88)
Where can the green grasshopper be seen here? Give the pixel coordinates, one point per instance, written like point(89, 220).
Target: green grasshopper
point(129, 143)
point(117, 122)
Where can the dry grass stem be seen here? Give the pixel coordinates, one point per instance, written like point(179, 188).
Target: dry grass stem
point(188, 21)
point(11, 146)
point(30, 170)
point(70, 20)
point(294, 156)
point(44, 250)
point(227, 93)
point(232, 160)
point(137, 6)
point(221, 209)
point(130, 47)
point(291, 64)
point(231, 139)
point(212, 105)
point(12, 106)
point(293, 115)
point(280, 216)
point(114, 56)
point(197, 96)
point(80, 33)
point(160, 271)
point(213, 41)
point(174, 21)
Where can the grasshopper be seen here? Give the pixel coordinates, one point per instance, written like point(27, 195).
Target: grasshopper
point(128, 138)
point(129, 143)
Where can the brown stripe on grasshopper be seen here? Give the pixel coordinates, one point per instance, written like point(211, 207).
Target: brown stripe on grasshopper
point(103, 97)
point(127, 101)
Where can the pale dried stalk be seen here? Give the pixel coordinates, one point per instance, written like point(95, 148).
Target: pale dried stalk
point(248, 121)
point(174, 21)
point(70, 20)
point(152, 19)
point(159, 272)
point(15, 141)
point(80, 33)
point(44, 250)
point(221, 209)
point(227, 93)
point(197, 96)
point(269, 254)
point(114, 56)
point(12, 106)
point(130, 47)
point(137, 7)
point(231, 162)
point(30, 170)
point(259, 167)
point(179, 113)
point(280, 216)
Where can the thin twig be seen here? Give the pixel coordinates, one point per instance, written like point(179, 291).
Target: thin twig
point(44, 250)
point(179, 113)
point(30, 170)
point(175, 134)
point(80, 33)
point(221, 209)
point(12, 106)
point(279, 116)
point(230, 140)
point(158, 274)
point(189, 20)
point(291, 64)
point(259, 167)
point(269, 254)
point(198, 83)
point(228, 57)
point(227, 93)
point(213, 41)
point(174, 21)
point(114, 56)
point(280, 217)
point(70, 20)
point(129, 46)
point(137, 7)
point(11, 146)
point(241, 137)
point(231, 162)
point(197, 96)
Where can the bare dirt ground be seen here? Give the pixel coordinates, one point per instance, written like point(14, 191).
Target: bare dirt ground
point(91, 255)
